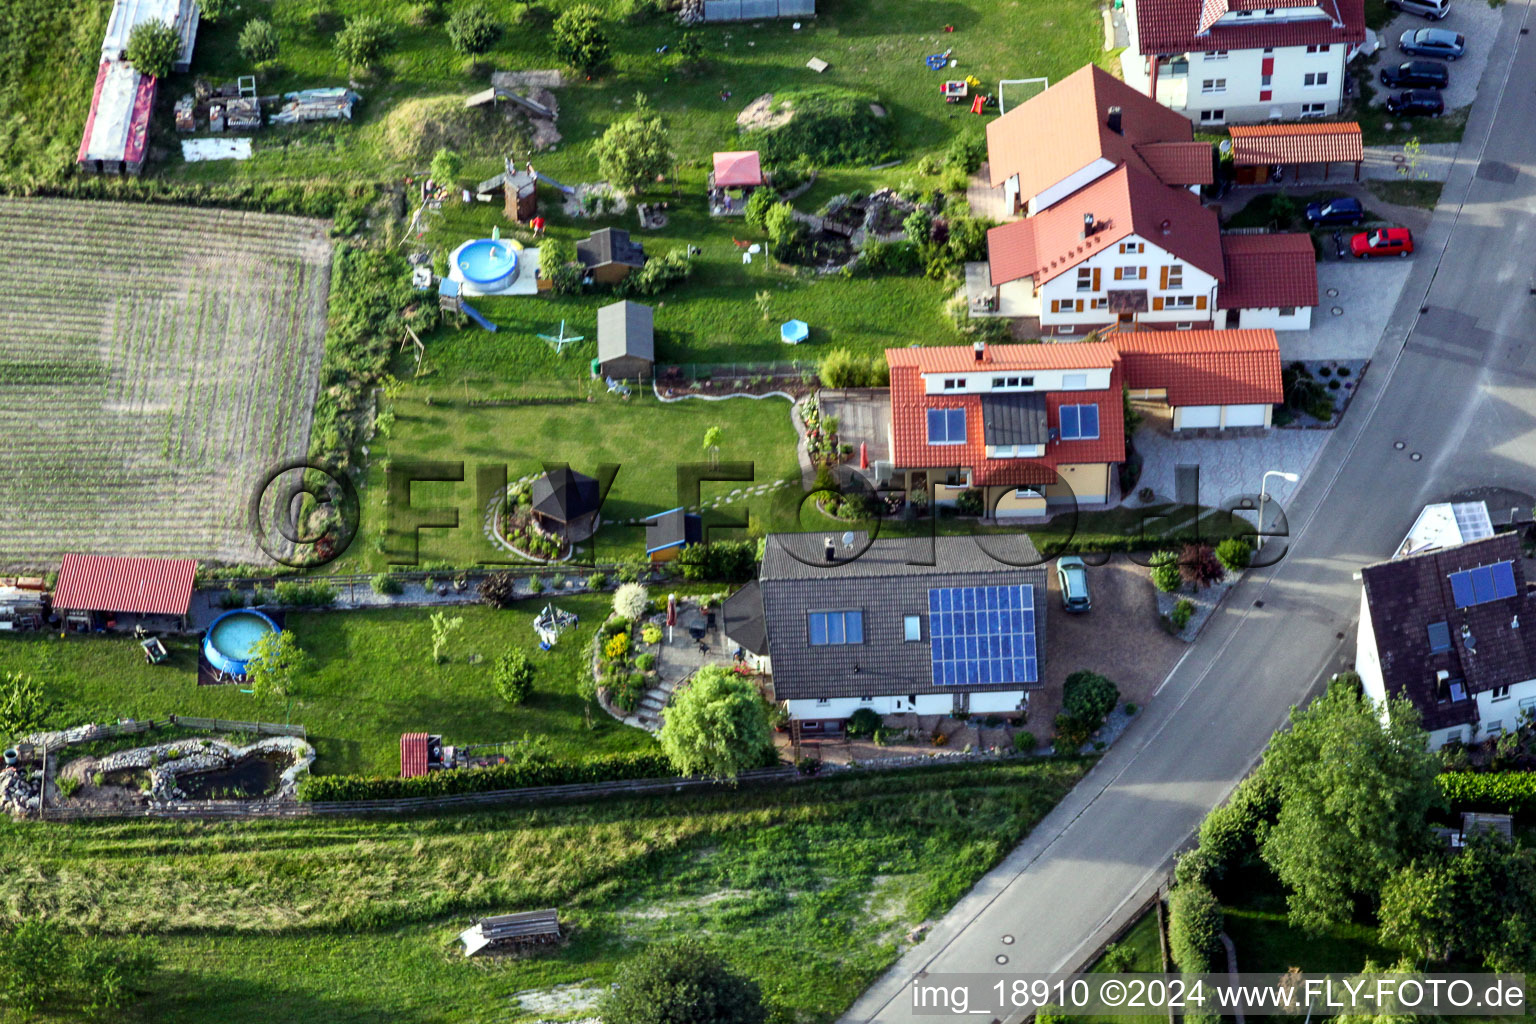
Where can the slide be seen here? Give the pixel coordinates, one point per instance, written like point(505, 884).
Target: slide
point(474, 314)
point(551, 181)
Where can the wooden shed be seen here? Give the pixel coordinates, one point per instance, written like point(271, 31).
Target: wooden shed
point(626, 340)
point(609, 256)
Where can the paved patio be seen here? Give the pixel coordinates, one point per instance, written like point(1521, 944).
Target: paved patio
point(1364, 293)
point(864, 417)
point(1228, 468)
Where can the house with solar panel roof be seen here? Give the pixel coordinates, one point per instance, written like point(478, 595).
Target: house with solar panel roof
point(912, 625)
point(1450, 624)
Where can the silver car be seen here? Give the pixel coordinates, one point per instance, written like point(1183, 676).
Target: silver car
point(1072, 575)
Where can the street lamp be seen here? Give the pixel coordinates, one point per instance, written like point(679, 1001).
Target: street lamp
point(1264, 492)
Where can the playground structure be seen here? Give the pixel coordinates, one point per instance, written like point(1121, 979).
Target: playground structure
point(450, 298)
point(550, 623)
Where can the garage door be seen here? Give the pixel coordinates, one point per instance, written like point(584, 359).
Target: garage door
point(1199, 416)
point(1245, 415)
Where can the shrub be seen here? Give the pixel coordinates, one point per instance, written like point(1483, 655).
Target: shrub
point(1181, 614)
point(841, 368)
point(829, 126)
point(1194, 927)
point(386, 584)
point(635, 149)
point(69, 786)
point(616, 647)
point(597, 581)
point(212, 11)
point(580, 40)
point(535, 585)
point(969, 502)
point(863, 722)
point(651, 633)
point(1500, 792)
point(966, 151)
point(498, 590)
point(153, 47)
point(231, 598)
point(1071, 734)
point(897, 257)
point(1117, 958)
point(294, 593)
point(645, 662)
point(514, 675)
point(658, 274)
point(727, 561)
point(473, 29)
point(785, 233)
point(758, 204)
point(629, 601)
point(447, 165)
point(1165, 572)
point(682, 983)
point(1198, 566)
point(1024, 741)
point(363, 41)
point(1089, 698)
point(539, 771)
point(1230, 833)
point(1234, 553)
point(258, 41)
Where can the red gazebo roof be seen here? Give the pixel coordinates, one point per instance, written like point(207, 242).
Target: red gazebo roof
point(738, 170)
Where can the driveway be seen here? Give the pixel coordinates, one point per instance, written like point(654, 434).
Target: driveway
point(1474, 19)
point(1354, 298)
point(1121, 638)
point(1228, 467)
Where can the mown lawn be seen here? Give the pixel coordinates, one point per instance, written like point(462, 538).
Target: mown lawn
point(372, 679)
point(809, 889)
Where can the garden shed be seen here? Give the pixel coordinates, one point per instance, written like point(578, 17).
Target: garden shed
point(92, 585)
point(566, 503)
point(668, 533)
point(608, 256)
point(626, 340)
point(117, 127)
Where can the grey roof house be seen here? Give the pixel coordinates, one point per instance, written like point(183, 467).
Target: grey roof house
point(608, 255)
point(907, 616)
point(626, 340)
point(1453, 630)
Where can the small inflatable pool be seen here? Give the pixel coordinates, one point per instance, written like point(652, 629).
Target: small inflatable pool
point(231, 640)
point(488, 263)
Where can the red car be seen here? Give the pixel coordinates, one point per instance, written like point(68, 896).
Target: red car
point(1381, 242)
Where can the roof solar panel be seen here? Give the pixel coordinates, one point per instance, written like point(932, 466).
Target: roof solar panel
point(1503, 579)
point(982, 635)
point(1483, 584)
point(1461, 589)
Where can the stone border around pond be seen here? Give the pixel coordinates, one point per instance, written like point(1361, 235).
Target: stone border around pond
point(206, 755)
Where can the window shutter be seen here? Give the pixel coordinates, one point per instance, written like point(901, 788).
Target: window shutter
point(1095, 278)
point(1079, 305)
point(1157, 303)
point(1141, 273)
point(1117, 273)
point(1163, 284)
point(1199, 301)
point(1055, 305)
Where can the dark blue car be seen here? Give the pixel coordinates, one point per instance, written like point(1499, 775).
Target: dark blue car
point(1343, 210)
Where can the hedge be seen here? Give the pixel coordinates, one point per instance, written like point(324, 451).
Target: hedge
point(1229, 834)
point(1194, 928)
point(609, 768)
point(1501, 792)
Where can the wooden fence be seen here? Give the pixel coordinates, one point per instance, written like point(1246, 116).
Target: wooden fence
point(225, 725)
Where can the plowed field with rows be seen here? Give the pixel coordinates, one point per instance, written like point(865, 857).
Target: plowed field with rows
point(155, 361)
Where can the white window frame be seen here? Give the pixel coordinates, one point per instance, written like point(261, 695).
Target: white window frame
point(1175, 276)
point(1085, 279)
point(1180, 302)
point(1213, 86)
point(1213, 116)
point(1129, 248)
point(1498, 693)
point(1314, 109)
point(1074, 382)
point(1314, 80)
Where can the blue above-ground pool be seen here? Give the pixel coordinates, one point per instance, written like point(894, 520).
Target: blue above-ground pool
point(488, 263)
point(231, 640)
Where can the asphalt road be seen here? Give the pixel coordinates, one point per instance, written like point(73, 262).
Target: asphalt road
point(1449, 406)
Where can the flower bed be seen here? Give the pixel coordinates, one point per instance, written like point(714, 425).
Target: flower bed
point(522, 533)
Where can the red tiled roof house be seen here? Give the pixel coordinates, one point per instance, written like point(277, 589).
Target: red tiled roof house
point(1036, 425)
point(1114, 233)
point(1227, 61)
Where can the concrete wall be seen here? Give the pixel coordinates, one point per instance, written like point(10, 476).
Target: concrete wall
point(1300, 318)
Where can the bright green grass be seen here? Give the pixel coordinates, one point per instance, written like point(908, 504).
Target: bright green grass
point(646, 439)
point(808, 889)
point(373, 679)
point(1146, 958)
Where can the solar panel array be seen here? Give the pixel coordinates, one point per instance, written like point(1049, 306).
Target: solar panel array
point(982, 635)
point(1485, 583)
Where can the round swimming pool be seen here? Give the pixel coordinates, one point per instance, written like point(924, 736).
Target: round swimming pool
point(488, 263)
point(231, 640)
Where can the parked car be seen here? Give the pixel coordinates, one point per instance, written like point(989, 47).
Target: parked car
point(1416, 74)
point(1433, 42)
point(1416, 102)
point(1343, 210)
point(1072, 575)
point(1434, 10)
point(1381, 242)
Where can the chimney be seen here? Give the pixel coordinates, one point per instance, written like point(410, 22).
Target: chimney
point(979, 351)
point(831, 550)
point(1166, 225)
point(1113, 120)
point(1514, 623)
point(1466, 639)
point(1087, 224)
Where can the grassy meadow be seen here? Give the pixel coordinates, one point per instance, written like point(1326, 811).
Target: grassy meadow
point(809, 889)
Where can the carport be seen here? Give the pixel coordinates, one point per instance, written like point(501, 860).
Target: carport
point(1258, 147)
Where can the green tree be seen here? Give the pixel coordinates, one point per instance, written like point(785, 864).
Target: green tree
point(473, 29)
point(363, 40)
point(635, 149)
point(258, 41)
point(1479, 904)
point(1354, 792)
point(1388, 1012)
point(580, 40)
point(1165, 571)
point(443, 629)
point(23, 707)
point(758, 204)
point(784, 231)
point(1089, 697)
point(276, 664)
point(682, 983)
point(717, 725)
point(514, 675)
point(712, 438)
point(690, 52)
point(153, 47)
point(447, 165)
point(213, 11)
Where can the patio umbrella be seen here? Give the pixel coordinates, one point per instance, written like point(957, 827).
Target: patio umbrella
point(863, 454)
point(671, 615)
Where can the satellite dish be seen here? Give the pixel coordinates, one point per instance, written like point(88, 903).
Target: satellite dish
point(1225, 145)
point(848, 539)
